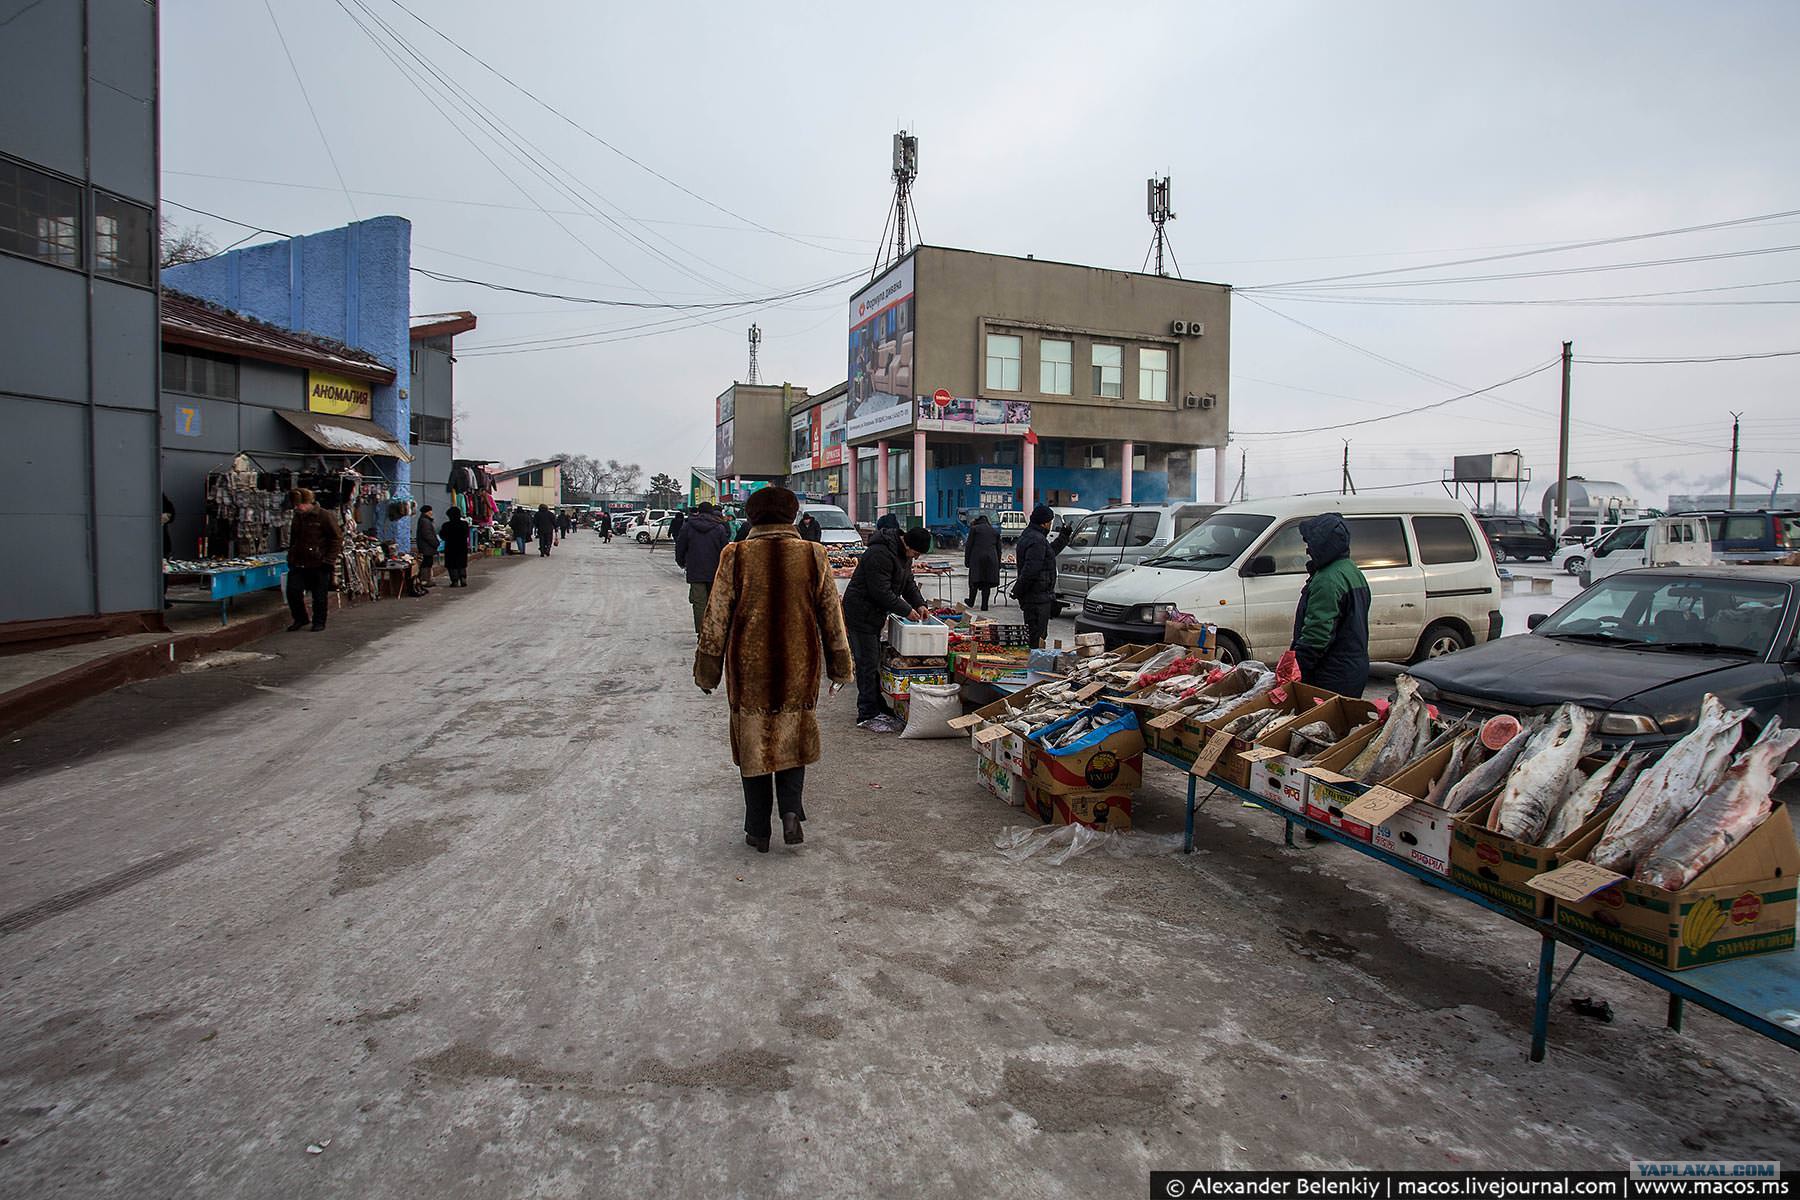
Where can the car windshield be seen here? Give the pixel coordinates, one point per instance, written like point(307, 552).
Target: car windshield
point(1678, 613)
point(1215, 543)
point(831, 518)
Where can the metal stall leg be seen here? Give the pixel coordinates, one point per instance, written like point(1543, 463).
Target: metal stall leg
point(1287, 834)
point(1676, 1007)
point(1187, 839)
point(1540, 1017)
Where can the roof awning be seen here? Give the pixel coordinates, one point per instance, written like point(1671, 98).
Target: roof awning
point(345, 435)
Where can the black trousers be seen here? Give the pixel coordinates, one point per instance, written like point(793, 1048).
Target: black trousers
point(782, 790)
point(983, 592)
point(544, 545)
point(865, 648)
point(426, 563)
point(1037, 620)
point(304, 580)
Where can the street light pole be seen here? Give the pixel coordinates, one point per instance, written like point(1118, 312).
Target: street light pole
point(1732, 502)
point(1562, 453)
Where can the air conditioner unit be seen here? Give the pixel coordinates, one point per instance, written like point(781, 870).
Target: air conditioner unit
point(1209, 400)
point(1190, 401)
point(1178, 328)
point(1196, 328)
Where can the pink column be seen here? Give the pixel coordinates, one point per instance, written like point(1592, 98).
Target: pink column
point(1130, 451)
point(850, 483)
point(881, 477)
point(1029, 460)
point(918, 492)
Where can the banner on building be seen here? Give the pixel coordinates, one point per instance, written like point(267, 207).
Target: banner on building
point(996, 477)
point(725, 448)
point(725, 407)
point(835, 416)
point(341, 397)
point(800, 455)
point(979, 415)
point(881, 354)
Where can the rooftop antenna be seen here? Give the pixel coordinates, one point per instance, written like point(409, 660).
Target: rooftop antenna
point(906, 169)
point(755, 375)
point(1157, 191)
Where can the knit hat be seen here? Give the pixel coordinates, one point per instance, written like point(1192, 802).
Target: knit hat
point(1042, 515)
point(772, 506)
point(918, 539)
point(888, 521)
point(703, 506)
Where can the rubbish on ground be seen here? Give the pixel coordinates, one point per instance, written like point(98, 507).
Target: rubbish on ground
point(1587, 1006)
point(1020, 842)
point(318, 1147)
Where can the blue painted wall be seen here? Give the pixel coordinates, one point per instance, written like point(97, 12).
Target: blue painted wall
point(353, 284)
point(1095, 487)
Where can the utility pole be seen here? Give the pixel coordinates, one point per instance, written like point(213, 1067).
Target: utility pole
point(1562, 452)
point(1238, 493)
point(1347, 486)
point(1735, 417)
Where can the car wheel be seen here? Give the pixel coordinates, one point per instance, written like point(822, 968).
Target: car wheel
point(1441, 639)
point(1575, 564)
point(1500, 555)
point(1231, 651)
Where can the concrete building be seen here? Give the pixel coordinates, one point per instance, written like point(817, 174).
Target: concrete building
point(818, 458)
point(531, 485)
point(751, 434)
point(80, 514)
point(350, 285)
point(432, 425)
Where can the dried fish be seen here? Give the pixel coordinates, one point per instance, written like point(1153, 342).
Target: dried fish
point(1465, 753)
point(1540, 779)
point(1583, 801)
point(1311, 740)
point(1724, 816)
point(1668, 791)
point(1392, 747)
point(1488, 776)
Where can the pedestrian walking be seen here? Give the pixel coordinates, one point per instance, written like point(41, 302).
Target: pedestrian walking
point(521, 525)
point(773, 625)
point(456, 547)
point(545, 523)
point(606, 528)
point(702, 540)
point(314, 543)
point(426, 539)
point(882, 584)
point(1331, 622)
point(676, 521)
point(981, 555)
point(808, 525)
point(1036, 585)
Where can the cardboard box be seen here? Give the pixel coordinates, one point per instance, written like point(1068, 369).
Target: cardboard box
point(1329, 791)
point(1500, 867)
point(1743, 904)
point(1000, 782)
point(1418, 832)
point(1181, 737)
point(1108, 811)
point(895, 681)
point(1202, 639)
point(1229, 765)
point(1274, 774)
point(1109, 759)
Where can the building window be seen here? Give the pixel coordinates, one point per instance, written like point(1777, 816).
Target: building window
point(1050, 452)
point(433, 431)
point(1093, 457)
point(1109, 371)
point(192, 373)
point(121, 240)
point(1056, 367)
point(40, 215)
point(1153, 375)
point(1004, 351)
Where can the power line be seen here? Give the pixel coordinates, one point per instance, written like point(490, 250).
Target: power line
point(1545, 274)
point(1615, 361)
point(1618, 298)
point(323, 140)
point(1539, 369)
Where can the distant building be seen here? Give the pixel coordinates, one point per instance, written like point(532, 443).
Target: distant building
point(531, 485)
point(1748, 500)
point(432, 426)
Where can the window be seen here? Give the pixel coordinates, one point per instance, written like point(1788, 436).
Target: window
point(1377, 542)
point(1109, 370)
point(1087, 534)
point(1142, 529)
point(1004, 350)
point(122, 242)
point(1216, 542)
point(1056, 367)
point(1153, 375)
point(1093, 457)
point(1288, 549)
point(1445, 540)
point(195, 374)
point(1673, 609)
point(1112, 530)
point(1626, 537)
point(40, 215)
point(1187, 518)
point(433, 431)
point(1751, 528)
point(1050, 454)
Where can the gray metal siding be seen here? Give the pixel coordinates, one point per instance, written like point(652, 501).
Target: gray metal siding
point(128, 536)
point(122, 110)
point(271, 386)
point(40, 85)
point(125, 346)
point(44, 530)
point(43, 313)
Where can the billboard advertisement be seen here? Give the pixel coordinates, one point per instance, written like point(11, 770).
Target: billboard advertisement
point(725, 447)
point(836, 413)
point(800, 456)
point(881, 354)
point(725, 407)
point(977, 415)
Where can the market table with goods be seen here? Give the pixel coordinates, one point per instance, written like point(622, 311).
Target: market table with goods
point(216, 581)
point(1676, 867)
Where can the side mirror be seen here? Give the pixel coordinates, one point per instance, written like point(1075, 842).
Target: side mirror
point(1262, 564)
point(1536, 619)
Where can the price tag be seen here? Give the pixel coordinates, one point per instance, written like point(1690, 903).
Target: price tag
point(1209, 755)
point(1377, 805)
point(1262, 754)
point(1576, 881)
point(1168, 720)
point(967, 721)
point(991, 734)
point(1326, 775)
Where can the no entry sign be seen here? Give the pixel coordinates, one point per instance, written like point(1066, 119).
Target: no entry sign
point(941, 398)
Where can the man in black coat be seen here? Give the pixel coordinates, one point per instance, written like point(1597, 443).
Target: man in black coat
point(1036, 588)
point(702, 539)
point(520, 523)
point(426, 542)
point(456, 547)
point(545, 523)
point(882, 585)
point(809, 528)
point(981, 554)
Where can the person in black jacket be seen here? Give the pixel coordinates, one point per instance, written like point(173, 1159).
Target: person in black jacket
point(520, 523)
point(456, 547)
point(426, 542)
point(981, 554)
point(882, 585)
point(545, 524)
point(809, 528)
point(702, 538)
point(1036, 588)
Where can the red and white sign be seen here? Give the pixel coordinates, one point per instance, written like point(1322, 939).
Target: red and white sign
point(941, 398)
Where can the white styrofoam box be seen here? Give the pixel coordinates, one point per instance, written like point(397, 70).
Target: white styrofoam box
point(929, 638)
point(1419, 833)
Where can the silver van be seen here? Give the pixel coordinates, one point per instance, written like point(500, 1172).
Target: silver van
point(1115, 539)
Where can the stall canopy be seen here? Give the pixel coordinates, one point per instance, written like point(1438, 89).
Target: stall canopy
point(345, 435)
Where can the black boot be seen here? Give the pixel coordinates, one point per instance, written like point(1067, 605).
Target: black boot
point(791, 833)
point(761, 844)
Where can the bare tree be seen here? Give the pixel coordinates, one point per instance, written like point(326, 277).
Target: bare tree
point(580, 473)
point(457, 417)
point(184, 245)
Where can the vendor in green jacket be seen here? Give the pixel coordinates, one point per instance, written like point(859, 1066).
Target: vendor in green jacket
point(1331, 624)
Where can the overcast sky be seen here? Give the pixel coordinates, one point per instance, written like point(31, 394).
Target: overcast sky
point(1304, 140)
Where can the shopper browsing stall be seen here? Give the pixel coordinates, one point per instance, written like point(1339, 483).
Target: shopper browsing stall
point(314, 543)
point(882, 585)
point(1036, 586)
point(1331, 622)
point(427, 542)
point(981, 555)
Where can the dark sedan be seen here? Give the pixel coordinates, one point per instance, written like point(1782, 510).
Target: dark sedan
point(1643, 647)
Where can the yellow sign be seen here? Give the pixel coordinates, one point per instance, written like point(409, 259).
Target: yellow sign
point(338, 396)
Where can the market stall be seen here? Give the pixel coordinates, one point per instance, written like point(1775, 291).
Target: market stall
point(218, 581)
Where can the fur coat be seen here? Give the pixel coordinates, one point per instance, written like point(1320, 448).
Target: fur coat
point(772, 627)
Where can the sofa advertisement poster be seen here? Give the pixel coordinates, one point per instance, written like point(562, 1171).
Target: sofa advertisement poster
point(977, 415)
point(881, 354)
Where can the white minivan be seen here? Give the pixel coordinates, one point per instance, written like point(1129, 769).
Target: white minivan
point(835, 528)
point(1432, 583)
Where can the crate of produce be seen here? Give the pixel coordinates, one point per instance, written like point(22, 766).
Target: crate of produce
point(929, 638)
point(1098, 750)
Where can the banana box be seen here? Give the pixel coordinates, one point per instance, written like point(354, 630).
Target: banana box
point(1743, 904)
point(1000, 782)
point(1108, 758)
point(1108, 811)
point(1175, 734)
point(1400, 819)
point(1329, 792)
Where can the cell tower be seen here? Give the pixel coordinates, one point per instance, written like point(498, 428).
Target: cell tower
point(906, 169)
point(755, 375)
point(1160, 215)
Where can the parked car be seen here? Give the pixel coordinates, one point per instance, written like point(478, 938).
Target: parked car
point(1762, 534)
point(1115, 539)
point(835, 528)
point(1651, 542)
point(1432, 581)
point(1643, 647)
point(1579, 535)
point(1012, 523)
point(1068, 515)
point(1515, 537)
point(622, 522)
point(653, 531)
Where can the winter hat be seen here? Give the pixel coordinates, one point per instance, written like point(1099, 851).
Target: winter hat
point(703, 506)
point(1042, 515)
point(918, 539)
point(888, 521)
point(772, 506)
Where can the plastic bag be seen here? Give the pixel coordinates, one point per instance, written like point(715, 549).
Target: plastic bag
point(1020, 842)
point(930, 707)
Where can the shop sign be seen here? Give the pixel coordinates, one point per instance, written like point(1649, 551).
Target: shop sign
point(187, 420)
point(725, 447)
point(996, 477)
point(834, 419)
point(800, 457)
point(975, 415)
point(341, 397)
point(881, 354)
